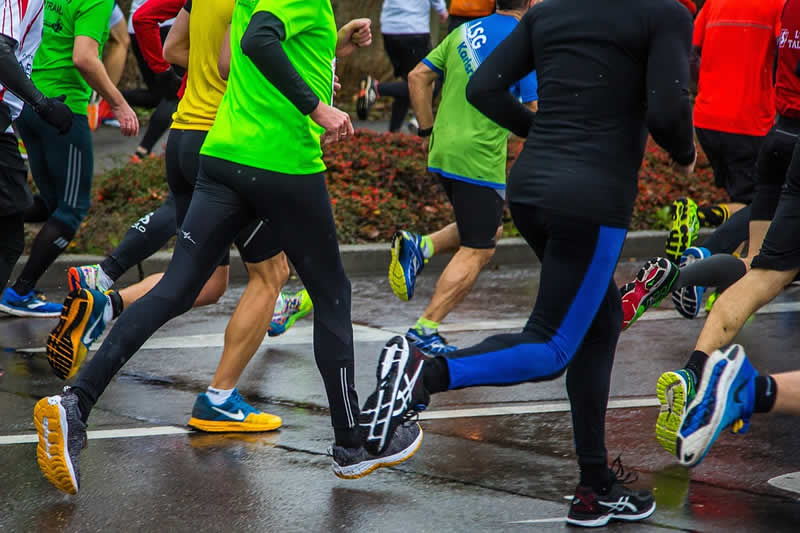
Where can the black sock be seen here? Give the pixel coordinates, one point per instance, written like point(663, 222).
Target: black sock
point(712, 216)
point(695, 364)
point(436, 375)
point(595, 476)
point(112, 268)
point(51, 241)
point(84, 403)
point(116, 303)
point(766, 392)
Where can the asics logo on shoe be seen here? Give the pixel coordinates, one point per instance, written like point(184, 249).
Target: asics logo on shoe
point(414, 263)
point(188, 236)
point(238, 415)
point(87, 337)
point(620, 505)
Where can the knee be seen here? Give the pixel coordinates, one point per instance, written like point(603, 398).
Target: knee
point(479, 257)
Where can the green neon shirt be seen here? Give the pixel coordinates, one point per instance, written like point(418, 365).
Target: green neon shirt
point(256, 125)
point(53, 71)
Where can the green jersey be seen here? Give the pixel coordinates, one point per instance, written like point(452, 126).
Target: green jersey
point(465, 145)
point(53, 71)
point(256, 125)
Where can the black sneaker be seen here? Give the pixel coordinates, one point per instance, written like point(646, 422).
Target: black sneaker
point(353, 463)
point(397, 397)
point(593, 509)
point(366, 97)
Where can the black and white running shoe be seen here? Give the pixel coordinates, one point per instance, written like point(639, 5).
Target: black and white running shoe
point(595, 509)
point(354, 463)
point(397, 397)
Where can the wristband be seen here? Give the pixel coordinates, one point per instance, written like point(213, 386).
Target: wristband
point(426, 132)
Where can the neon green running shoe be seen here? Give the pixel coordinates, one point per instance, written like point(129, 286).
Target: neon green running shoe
point(685, 228)
point(675, 391)
point(294, 308)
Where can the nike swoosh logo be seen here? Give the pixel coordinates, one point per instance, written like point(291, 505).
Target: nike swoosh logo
point(87, 340)
point(239, 415)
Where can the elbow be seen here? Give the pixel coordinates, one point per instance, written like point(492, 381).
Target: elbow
point(83, 62)
point(249, 46)
point(224, 70)
point(473, 93)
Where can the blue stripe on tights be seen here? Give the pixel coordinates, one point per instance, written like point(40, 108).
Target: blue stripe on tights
point(526, 362)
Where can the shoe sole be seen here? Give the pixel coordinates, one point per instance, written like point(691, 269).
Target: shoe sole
point(397, 277)
point(74, 280)
point(365, 468)
point(52, 452)
point(719, 375)
point(212, 426)
point(655, 297)
point(605, 519)
point(683, 305)
point(65, 352)
point(377, 411)
point(671, 392)
point(681, 226)
point(28, 314)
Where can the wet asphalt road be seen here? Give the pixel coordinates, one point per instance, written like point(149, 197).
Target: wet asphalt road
point(473, 473)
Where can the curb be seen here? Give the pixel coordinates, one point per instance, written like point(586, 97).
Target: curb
point(358, 259)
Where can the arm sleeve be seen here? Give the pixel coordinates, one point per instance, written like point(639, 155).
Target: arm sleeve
point(147, 32)
point(91, 20)
point(669, 107)
point(13, 77)
point(488, 89)
point(261, 42)
point(699, 34)
point(529, 88)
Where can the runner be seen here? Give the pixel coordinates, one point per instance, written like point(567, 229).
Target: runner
point(571, 194)
point(68, 63)
point(20, 36)
point(468, 153)
point(276, 45)
point(462, 11)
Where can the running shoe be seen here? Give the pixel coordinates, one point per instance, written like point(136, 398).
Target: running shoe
point(413, 126)
point(685, 228)
point(235, 415)
point(726, 398)
point(433, 344)
point(294, 308)
point(407, 263)
point(23, 152)
point(398, 395)
point(687, 299)
point(590, 508)
point(87, 277)
point(675, 391)
point(367, 94)
point(353, 463)
point(652, 284)
point(62, 436)
point(84, 318)
point(34, 304)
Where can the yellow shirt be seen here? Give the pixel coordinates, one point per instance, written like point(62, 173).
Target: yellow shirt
point(204, 88)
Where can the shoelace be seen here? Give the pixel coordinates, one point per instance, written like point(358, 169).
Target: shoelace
point(621, 476)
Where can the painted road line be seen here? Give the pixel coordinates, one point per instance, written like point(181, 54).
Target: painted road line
point(529, 408)
point(155, 431)
point(790, 482)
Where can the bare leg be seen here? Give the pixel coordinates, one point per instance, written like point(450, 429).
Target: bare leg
point(758, 230)
point(212, 291)
point(250, 320)
point(756, 289)
point(446, 239)
point(456, 281)
point(788, 399)
point(735, 206)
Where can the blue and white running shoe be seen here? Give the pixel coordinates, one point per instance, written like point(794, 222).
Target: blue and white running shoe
point(726, 398)
point(32, 304)
point(235, 415)
point(687, 299)
point(433, 344)
point(407, 262)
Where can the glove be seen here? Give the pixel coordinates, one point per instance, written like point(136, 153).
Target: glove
point(56, 113)
point(168, 83)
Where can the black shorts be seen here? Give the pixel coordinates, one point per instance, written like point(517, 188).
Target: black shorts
point(478, 210)
point(15, 196)
point(733, 158)
point(781, 248)
point(406, 50)
point(774, 159)
point(255, 243)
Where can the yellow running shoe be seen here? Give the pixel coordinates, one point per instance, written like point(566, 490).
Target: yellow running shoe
point(62, 436)
point(235, 415)
point(84, 318)
point(685, 228)
point(675, 390)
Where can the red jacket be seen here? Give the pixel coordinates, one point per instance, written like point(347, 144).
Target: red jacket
point(148, 36)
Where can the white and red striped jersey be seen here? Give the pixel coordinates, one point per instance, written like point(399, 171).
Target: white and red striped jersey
point(21, 20)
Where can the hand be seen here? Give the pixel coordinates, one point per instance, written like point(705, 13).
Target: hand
point(336, 123)
point(128, 122)
point(336, 85)
point(168, 83)
point(355, 34)
point(686, 170)
point(56, 113)
point(443, 16)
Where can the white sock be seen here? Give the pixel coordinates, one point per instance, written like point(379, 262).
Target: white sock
point(280, 303)
point(103, 281)
point(218, 396)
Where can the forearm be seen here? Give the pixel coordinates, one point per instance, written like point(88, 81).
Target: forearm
point(93, 71)
point(261, 43)
point(420, 89)
point(14, 78)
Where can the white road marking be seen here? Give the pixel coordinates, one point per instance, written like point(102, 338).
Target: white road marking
point(542, 520)
point(522, 409)
point(790, 482)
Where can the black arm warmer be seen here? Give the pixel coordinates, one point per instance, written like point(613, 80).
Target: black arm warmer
point(488, 88)
point(694, 63)
point(261, 42)
point(13, 77)
point(669, 106)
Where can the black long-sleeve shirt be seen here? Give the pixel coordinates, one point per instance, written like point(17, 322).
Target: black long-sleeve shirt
point(608, 70)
